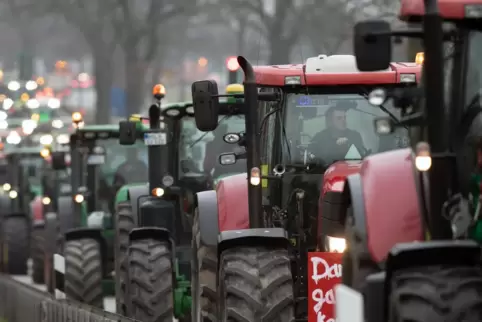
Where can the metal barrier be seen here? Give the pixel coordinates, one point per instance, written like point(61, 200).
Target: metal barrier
point(23, 303)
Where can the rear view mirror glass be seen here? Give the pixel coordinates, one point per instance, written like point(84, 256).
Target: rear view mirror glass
point(373, 46)
point(206, 104)
point(127, 132)
point(59, 161)
point(227, 158)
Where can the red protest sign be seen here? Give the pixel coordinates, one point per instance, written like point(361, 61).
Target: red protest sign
point(324, 272)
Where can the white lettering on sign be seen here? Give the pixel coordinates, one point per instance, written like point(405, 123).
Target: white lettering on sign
point(328, 271)
point(322, 270)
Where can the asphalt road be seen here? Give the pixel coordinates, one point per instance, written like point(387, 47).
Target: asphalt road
point(109, 302)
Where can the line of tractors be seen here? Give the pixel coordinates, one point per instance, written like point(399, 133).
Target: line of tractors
point(212, 210)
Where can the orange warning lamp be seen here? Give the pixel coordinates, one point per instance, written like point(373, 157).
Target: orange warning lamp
point(76, 117)
point(159, 91)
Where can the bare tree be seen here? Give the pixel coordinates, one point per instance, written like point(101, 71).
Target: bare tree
point(139, 29)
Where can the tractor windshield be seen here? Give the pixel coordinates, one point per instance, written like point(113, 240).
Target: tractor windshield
point(328, 125)
point(32, 167)
point(199, 151)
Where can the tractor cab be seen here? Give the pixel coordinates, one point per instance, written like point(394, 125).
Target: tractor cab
point(100, 166)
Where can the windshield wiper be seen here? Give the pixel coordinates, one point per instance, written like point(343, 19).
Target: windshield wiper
point(384, 109)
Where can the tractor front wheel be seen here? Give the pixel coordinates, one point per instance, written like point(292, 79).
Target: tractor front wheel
point(255, 284)
point(204, 265)
point(83, 271)
point(149, 291)
point(436, 293)
point(38, 254)
point(124, 223)
point(16, 245)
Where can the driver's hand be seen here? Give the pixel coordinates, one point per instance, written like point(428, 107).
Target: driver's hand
point(341, 141)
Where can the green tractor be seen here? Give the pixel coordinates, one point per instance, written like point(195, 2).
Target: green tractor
point(22, 185)
point(85, 271)
point(153, 222)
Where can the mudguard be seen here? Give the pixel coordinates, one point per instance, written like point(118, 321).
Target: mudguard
point(135, 194)
point(253, 237)
point(4, 204)
point(92, 233)
point(232, 197)
point(207, 206)
point(385, 202)
point(65, 213)
point(332, 202)
point(156, 233)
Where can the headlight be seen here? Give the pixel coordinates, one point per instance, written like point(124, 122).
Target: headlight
point(3, 125)
point(46, 200)
point(54, 103)
point(7, 186)
point(46, 139)
point(8, 103)
point(58, 124)
point(167, 181)
point(63, 139)
point(79, 198)
point(3, 116)
point(13, 194)
point(29, 124)
point(31, 85)
point(335, 244)
point(14, 138)
point(33, 103)
point(13, 86)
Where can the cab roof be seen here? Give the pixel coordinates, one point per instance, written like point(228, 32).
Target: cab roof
point(332, 70)
point(30, 150)
point(100, 128)
point(413, 10)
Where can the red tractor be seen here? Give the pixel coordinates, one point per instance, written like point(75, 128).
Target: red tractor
point(413, 212)
point(254, 233)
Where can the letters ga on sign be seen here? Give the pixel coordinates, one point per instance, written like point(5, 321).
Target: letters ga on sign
point(324, 272)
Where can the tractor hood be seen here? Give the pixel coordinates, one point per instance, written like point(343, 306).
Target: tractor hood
point(335, 175)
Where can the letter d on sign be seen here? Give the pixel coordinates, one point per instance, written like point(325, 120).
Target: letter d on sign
point(324, 272)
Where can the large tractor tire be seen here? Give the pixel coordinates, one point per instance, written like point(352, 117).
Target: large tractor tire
point(356, 264)
point(83, 272)
point(125, 221)
point(16, 245)
point(437, 293)
point(150, 281)
point(38, 255)
point(255, 285)
point(204, 267)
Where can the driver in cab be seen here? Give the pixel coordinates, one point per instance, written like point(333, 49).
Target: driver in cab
point(336, 139)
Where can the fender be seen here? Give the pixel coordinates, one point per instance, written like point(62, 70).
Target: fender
point(92, 233)
point(156, 233)
point(332, 202)
point(65, 213)
point(37, 213)
point(390, 196)
point(232, 197)
point(253, 237)
point(135, 194)
point(5, 203)
point(207, 207)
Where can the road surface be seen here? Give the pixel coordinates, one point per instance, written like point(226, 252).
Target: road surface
point(109, 302)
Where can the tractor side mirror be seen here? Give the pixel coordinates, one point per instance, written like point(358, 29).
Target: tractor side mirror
point(58, 161)
point(206, 104)
point(372, 44)
point(127, 132)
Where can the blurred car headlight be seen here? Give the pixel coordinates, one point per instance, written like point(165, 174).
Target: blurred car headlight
point(33, 103)
point(53, 103)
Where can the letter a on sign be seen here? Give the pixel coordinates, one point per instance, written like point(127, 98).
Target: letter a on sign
point(324, 272)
